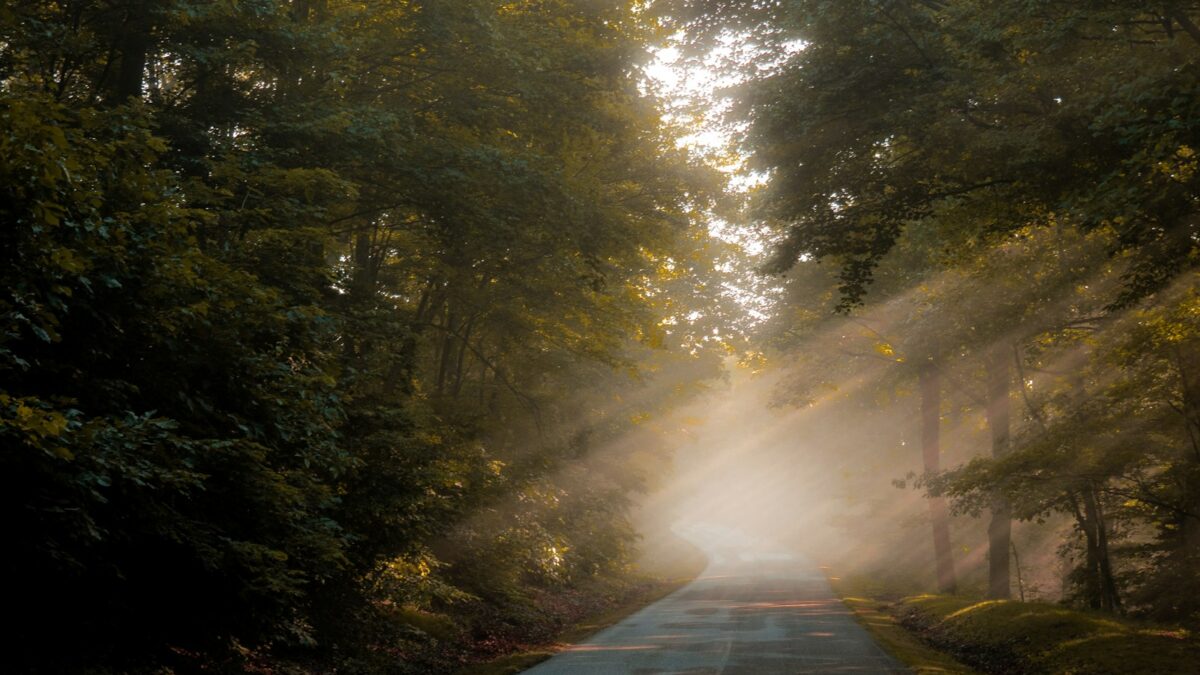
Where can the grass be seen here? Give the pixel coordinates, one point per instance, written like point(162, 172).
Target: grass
point(1003, 636)
point(865, 599)
point(663, 575)
point(953, 634)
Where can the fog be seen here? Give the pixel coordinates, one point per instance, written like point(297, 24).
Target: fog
point(831, 481)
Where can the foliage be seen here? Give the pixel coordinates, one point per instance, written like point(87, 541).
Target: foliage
point(1005, 193)
point(299, 295)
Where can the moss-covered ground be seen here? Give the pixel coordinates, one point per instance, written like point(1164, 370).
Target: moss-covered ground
point(952, 634)
point(1023, 637)
point(872, 606)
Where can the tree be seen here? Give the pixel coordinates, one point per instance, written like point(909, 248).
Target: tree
point(298, 290)
point(971, 123)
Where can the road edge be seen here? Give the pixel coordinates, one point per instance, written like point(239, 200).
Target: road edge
point(520, 661)
point(906, 647)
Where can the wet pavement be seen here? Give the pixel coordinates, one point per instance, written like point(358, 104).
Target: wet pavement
point(753, 611)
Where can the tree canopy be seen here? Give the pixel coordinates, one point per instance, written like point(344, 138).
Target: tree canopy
point(297, 293)
point(1007, 197)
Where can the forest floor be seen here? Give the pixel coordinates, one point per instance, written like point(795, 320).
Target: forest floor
point(657, 576)
point(956, 634)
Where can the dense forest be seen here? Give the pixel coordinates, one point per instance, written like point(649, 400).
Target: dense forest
point(347, 336)
point(316, 315)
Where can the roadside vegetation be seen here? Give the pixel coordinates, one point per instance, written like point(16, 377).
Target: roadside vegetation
point(1007, 636)
point(985, 220)
point(952, 634)
point(664, 565)
point(875, 609)
point(335, 336)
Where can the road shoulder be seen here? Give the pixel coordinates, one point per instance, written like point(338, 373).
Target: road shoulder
point(877, 616)
point(662, 577)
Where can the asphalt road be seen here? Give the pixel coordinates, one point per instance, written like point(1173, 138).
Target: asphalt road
point(753, 611)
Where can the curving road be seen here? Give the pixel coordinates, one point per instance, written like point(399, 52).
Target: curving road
point(753, 611)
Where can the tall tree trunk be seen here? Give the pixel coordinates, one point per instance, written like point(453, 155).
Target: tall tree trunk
point(1110, 599)
point(1085, 517)
point(1098, 584)
point(459, 367)
point(930, 384)
point(134, 47)
point(365, 278)
point(362, 290)
point(447, 352)
point(1017, 567)
point(399, 377)
point(999, 379)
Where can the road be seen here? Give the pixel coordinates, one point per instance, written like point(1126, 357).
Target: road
point(753, 611)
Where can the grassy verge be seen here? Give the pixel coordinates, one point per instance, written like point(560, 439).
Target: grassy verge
point(663, 576)
point(950, 634)
point(873, 608)
point(1022, 637)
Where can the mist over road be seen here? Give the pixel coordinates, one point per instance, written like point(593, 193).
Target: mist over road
point(754, 610)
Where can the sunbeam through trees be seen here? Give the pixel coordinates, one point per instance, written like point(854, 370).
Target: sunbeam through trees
point(410, 336)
